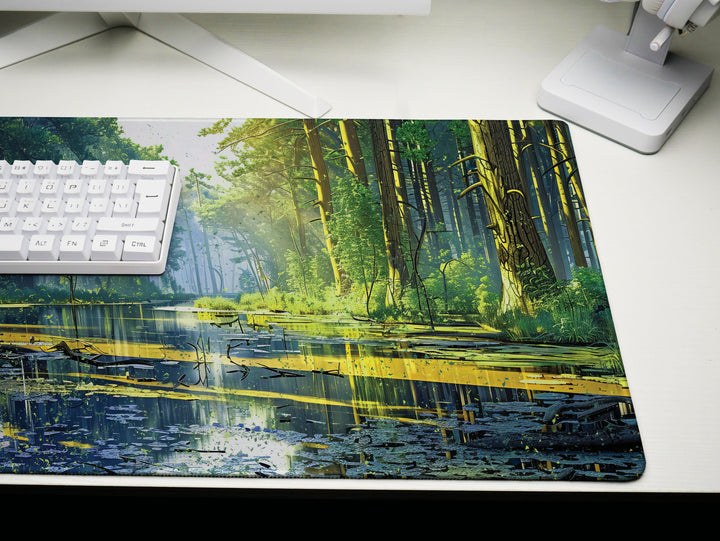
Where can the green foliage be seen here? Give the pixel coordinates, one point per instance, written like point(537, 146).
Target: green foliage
point(15, 291)
point(82, 289)
point(581, 310)
point(461, 131)
point(198, 183)
point(307, 274)
point(575, 312)
point(69, 139)
point(120, 289)
point(356, 228)
point(489, 306)
point(215, 303)
point(460, 285)
point(538, 281)
point(176, 254)
point(325, 303)
point(415, 141)
point(266, 195)
point(588, 288)
point(392, 313)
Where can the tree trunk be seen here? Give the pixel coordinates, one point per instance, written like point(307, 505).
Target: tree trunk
point(252, 267)
point(353, 152)
point(574, 179)
point(435, 203)
point(469, 206)
point(399, 180)
point(478, 214)
point(456, 216)
point(566, 203)
point(299, 219)
point(556, 254)
point(524, 265)
point(195, 265)
point(322, 182)
point(398, 274)
point(206, 241)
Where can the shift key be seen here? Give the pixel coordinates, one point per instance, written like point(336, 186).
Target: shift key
point(125, 226)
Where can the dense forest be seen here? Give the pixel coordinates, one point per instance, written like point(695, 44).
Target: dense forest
point(410, 221)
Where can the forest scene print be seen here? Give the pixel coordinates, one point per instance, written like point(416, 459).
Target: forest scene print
point(355, 298)
point(413, 221)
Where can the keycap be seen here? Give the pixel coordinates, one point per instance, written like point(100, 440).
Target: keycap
point(87, 217)
point(141, 248)
point(13, 247)
point(43, 248)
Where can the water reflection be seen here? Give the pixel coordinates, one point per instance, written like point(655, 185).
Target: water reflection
point(148, 389)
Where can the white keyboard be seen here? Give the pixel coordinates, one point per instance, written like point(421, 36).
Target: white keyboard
point(86, 218)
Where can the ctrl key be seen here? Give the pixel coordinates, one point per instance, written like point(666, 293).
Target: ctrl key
point(13, 248)
point(141, 248)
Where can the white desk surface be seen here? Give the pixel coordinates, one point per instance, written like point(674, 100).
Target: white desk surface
point(656, 218)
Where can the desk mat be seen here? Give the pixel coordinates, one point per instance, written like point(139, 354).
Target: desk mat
point(357, 299)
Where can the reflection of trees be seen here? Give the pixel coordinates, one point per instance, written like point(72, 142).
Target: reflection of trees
point(374, 409)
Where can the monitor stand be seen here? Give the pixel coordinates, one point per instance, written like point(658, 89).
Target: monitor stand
point(615, 85)
point(174, 30)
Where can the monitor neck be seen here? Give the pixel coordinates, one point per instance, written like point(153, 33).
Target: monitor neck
point(645, 27)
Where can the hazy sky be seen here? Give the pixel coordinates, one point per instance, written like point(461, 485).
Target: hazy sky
point(179, 139)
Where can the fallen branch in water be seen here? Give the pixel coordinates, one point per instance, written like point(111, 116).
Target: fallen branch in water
point(77, 354)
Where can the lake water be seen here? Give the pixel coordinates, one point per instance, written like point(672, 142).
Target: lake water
point(147, 389)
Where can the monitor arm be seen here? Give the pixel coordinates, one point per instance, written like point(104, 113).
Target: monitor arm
point(174, 30)
point(669, 16)
point(683, 15)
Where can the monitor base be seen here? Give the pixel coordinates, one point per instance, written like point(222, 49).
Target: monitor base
point(174, 30)
point(634, 100)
